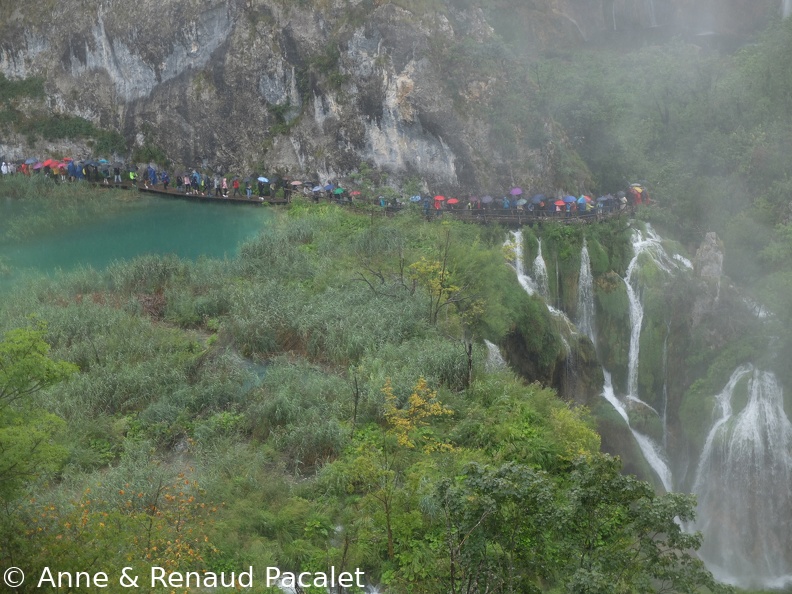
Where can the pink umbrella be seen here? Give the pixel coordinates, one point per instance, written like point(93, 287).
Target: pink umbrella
point(515, 191)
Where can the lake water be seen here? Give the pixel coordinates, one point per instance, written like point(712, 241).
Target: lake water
point(153, 225)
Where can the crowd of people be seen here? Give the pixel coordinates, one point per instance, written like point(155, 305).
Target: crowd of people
point(224, 186)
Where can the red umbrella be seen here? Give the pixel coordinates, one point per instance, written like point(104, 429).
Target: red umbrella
point(452, 201)
point(355, 193)
point(49, 163)
point(559, 203)
point(439, 198)
point(68, 159)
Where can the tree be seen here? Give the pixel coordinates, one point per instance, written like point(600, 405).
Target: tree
point(421, 406)
point(593, 531)
point(616, 535)
point(27, 444)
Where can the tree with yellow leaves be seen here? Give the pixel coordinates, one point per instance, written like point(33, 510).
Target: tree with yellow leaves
point(422, 405)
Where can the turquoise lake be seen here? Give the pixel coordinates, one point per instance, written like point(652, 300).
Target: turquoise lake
point(189, 229)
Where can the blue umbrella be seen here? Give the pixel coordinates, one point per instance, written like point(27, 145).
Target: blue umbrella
point(329, 187)
point(581, 200)
point(316, 189)
point(487, 199)
point(263, 179)
point(568, 199)
point(415, 198)
point(538, 198)
point(31, 161)
point(103, 161)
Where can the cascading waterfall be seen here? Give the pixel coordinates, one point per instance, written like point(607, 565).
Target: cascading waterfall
point(648, 243)
point(585, 302)
point(665, 385)
point(650, 9)
point(744, 485)
point(494, 358)
point(649, 448)
point(743, 481)
point(540, 273)
point(540, 285)
point(526, 282)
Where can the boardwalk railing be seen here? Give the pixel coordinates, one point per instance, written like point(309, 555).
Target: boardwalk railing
point(513, 217)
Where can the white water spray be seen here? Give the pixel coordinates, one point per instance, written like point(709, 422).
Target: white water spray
point(585, 303)
point(494, 358)
point(526, 282)
point(744, 485)
point(540, 273)
point(650, 450)
point(649, 244)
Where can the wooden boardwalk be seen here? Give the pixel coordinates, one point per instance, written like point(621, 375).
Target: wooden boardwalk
point(517, 218)
point(511, 217)
point(209, 197)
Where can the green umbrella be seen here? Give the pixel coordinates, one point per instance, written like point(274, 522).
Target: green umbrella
point(338, 191)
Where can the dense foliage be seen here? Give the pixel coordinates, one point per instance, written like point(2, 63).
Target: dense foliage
point(321, 400)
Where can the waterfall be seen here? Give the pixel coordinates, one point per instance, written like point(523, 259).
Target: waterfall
point(744, 486)
point(494, 358)
point(650, 9)
point(540, 285)
point(649, 448)
point(665, 385)
point(585, 302)
point(526, 282)
point(648, 243)
point(540, 273)
point(786, 9)
point(643, 243)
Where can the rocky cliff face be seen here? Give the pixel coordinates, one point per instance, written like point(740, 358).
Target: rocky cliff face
point(313, 87)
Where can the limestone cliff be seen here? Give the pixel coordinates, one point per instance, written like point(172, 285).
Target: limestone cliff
point(426, 89)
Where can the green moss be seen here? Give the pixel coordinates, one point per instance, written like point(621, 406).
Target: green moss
point(598, 257)
point(696, 414)
point(613, 323)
